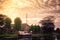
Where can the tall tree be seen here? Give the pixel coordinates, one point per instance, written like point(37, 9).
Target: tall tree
point(17, 24)
point(8, 23)
point(48, 27)
point(48, 24)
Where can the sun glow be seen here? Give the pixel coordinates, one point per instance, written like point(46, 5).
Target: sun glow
point(45, 0)
point(19, 8)
point(9, 7)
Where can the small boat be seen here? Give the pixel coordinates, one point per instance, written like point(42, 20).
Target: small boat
point(25, 33)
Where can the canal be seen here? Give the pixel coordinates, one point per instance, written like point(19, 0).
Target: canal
point(32, 38)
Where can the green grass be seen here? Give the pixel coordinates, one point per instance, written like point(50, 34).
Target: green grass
point(15, 35)
point(9, 35)
point(38, 35)
point(35, 35)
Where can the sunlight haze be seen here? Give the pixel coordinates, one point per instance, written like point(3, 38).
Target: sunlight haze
point(34, 9)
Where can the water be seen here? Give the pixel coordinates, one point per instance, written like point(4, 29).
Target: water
point(37, 39)
point(25, 39)
point(34, 38)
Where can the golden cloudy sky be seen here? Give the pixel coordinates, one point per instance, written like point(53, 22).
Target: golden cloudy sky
point(34, 9)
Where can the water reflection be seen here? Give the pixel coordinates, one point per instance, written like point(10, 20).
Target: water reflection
point(31, 38)
point(37, 38)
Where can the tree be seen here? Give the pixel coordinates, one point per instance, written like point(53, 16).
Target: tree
point(8, 23)
point(35, 28)
point(18, 24)
point(32, 28)
point(1, 20)
point(48, 27)
point(48, 24)
point(58, 32)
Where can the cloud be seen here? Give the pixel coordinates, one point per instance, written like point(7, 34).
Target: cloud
point(54, 11)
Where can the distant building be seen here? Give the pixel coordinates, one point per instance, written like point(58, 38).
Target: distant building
point(25, 30)
point(25, 27)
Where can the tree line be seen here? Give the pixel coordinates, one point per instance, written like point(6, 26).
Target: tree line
point(46, 28)
point(7, 28)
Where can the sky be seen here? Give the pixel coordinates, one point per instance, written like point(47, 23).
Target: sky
point(35, 10)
